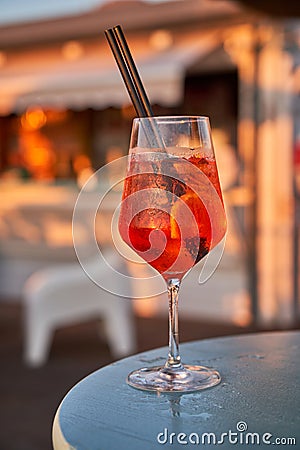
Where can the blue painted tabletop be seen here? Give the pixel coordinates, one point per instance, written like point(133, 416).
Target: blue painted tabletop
point(257, 403)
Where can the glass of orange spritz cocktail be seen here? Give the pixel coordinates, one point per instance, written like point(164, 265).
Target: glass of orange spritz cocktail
point(172, 215)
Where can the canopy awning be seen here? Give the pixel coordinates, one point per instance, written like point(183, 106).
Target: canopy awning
point(46, 78)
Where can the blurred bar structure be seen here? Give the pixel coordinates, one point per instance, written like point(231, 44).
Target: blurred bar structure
point(65, 113)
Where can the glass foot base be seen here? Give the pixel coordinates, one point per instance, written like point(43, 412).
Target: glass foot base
point(184, 379)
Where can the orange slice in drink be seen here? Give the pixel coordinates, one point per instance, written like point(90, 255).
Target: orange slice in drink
point(179, 214)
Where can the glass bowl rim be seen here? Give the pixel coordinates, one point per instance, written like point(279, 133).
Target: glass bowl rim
point(172, 118)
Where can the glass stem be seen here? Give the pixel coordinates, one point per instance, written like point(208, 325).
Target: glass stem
point(174, 360)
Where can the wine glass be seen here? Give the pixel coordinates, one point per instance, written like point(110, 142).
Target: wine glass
point(172, 215)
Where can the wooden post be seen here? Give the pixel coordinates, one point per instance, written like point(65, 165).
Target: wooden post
point(265, 141)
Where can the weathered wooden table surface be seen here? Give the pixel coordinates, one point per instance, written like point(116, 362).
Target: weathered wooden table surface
point(256, 404)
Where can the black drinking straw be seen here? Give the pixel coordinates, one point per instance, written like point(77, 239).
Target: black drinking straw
point(132, 80)
point(129, 72)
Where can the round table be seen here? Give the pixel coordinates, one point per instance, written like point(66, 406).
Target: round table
point(256, 404)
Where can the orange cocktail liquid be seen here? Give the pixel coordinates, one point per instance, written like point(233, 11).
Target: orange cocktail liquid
point(154, 231)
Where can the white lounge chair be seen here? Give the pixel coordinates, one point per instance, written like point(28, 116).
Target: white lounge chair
point(64, 295)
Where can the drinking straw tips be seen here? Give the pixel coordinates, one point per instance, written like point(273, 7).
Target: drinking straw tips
point(133, 82)
point(128, 70)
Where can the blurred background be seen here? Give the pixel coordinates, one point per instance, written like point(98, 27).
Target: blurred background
point(64, 113)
